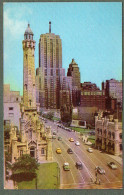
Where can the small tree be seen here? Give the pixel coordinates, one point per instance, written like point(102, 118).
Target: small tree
point(50, 115)
point(25, 168)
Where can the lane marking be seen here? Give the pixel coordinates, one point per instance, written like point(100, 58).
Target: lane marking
point(80, 159)
point(73, 161)
point(70, 169)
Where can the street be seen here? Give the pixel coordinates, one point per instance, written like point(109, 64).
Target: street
point(85, 178)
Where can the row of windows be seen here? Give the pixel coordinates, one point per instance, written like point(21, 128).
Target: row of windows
point(28, 37)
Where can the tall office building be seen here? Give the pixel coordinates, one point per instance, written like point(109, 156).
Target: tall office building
point(73, 71)
point(50, 70)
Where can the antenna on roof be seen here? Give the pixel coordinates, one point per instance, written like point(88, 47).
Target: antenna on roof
point(50, 27)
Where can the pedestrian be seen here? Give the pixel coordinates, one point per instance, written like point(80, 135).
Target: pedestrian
point(99, 181)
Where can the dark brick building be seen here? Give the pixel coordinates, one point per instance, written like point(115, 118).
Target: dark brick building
point(92, 96)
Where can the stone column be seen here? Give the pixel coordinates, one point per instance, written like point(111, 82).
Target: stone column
point(14, 150)
point(22, 130)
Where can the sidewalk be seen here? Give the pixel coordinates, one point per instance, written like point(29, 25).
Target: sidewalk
point(116, 158)
point(9, 184)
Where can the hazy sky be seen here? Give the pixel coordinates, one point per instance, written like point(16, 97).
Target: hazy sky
point(91, 33)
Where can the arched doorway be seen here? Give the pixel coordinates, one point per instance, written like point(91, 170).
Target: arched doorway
point(32, 152)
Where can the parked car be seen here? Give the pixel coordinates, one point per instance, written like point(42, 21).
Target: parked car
point(54, 132)
point(58, 151)
point(53, 137)
point(59, 139)
point(71, 139)
point(100, 170)
point(90, 150)
point(77, 143)
point(68, 129)
point(79, 165)
point(70, 151)
point(66, 166)
point(112, 165)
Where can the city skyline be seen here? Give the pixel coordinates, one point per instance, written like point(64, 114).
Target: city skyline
point(98, 28)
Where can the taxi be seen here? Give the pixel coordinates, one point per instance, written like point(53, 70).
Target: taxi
point(71, 139)
point(58, 151)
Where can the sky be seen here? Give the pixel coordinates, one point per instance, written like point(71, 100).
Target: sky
point(91, 33)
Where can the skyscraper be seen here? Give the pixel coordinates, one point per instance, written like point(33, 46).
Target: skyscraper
point(50, 69)
point(29, 91)
point(73, 71)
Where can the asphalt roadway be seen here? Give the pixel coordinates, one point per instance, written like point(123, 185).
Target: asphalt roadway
point(85, 178)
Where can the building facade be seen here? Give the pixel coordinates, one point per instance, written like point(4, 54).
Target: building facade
point(50, 69)
point(73, 71)
point(108, 132)
point(113, 92)
point(12, 101)
point(92, 96)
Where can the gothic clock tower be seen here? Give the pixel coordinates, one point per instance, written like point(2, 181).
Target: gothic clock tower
point(29, 92)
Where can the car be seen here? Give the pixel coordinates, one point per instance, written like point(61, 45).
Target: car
point(54, 132)
point(71, 139)
point(90, 150)
point(58, 151)
point(79, 165)
point(70, 151)
point(53, 137)
point(59, 139)
point(100, 170)
point(112, 165)
point(66, 166)
point(77, 143)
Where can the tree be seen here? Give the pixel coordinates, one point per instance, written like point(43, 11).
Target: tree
point(25, 168)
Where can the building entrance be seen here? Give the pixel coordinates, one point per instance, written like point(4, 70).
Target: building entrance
point(32, 152)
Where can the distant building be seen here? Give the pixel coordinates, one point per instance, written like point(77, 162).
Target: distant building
point(92, 96)
point(108, 132)
point(66, 99)
point(50, 73)
point(12, 100)
point(113, 90)
point(73, 71)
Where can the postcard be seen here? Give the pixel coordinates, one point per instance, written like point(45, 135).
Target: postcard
point(62, 95)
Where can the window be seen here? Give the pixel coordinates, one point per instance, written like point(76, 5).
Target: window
point(11, 114)
point(51, 72)
point(30, 102)
point(29, 72)
point(10, 108)
point(121, 147)
point(26, 86)
point(120, 135)
point(45, 72)
point(16, 99)
point(42, 151)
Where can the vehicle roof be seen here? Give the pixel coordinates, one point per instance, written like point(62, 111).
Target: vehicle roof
point(66, 163)
point(100, 167)
point(79, 163)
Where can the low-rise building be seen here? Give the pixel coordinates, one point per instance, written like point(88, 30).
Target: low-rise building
point(108, 132)
point(92, 96)
point(113, 90)
point(12, 100)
